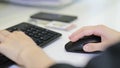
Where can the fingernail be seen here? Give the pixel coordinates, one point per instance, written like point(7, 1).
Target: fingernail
point(87, 48)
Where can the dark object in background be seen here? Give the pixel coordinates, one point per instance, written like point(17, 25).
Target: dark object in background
point(54, 17)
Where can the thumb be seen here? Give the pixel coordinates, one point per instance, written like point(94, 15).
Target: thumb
point(90, 47)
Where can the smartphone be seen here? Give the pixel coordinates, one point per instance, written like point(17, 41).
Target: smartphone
point(54, 17)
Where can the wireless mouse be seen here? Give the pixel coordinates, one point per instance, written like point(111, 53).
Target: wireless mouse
point(78, 45)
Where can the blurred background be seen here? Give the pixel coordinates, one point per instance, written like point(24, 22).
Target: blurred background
point(89, 12)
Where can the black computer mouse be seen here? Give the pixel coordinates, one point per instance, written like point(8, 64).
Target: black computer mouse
point(78, 45)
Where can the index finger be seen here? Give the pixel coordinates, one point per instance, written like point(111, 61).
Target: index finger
point(3, 35)
point(85, 31)
point(5, 32)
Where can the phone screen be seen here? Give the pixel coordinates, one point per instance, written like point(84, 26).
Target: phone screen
point(54, 17)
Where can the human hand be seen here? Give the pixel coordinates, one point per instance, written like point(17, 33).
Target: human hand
point(23, 50)
point(108, 37)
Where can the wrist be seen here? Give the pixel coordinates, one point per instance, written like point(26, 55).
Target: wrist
point(35, 58)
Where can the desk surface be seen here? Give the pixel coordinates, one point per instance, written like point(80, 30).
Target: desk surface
point(87, 15)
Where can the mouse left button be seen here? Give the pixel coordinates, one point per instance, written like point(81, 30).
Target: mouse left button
point(67, 46)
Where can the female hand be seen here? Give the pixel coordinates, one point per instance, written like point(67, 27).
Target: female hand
point(23, 50)
point(108, 37)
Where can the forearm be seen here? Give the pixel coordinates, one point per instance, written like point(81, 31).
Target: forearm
point(31, 59)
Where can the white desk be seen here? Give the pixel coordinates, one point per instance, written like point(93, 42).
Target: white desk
point(109, 16)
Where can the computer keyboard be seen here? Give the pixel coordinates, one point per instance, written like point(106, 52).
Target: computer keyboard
point(41, 36)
